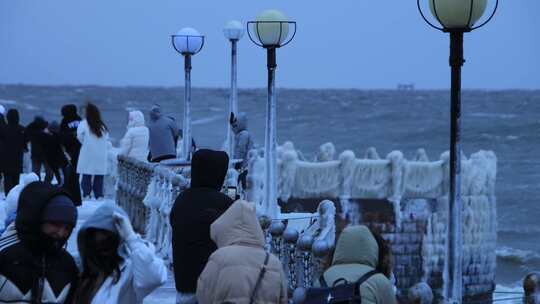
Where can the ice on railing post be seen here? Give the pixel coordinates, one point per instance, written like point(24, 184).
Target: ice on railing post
point(321, 251)
point(421, 156)
point(371, 153)
point(290, 235)
point(276, 230)
point(420, 293)
point(265, 223)
point(305, 243)
point(327, 152)
point(531, 287)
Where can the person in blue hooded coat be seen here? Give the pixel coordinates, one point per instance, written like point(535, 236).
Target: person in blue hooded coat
point(118, 266)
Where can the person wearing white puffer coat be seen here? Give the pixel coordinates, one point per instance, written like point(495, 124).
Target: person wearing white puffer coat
point(135, 142)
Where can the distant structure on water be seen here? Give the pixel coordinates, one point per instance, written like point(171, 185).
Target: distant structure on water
point(405, 87)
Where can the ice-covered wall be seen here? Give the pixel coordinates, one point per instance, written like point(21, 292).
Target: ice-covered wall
point(417, 193)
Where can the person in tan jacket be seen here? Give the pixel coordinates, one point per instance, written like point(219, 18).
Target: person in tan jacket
point(356, 254)
point(232, 272)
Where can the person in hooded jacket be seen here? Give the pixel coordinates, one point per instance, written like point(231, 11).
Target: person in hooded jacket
point(242, 139)
point(34, 133)
point(68, 132)
point(135, 142)
point(356, 254)
point(232, 272)
point(193, 212)
point(242, 144)
point(163, 136)
point(34, 266)
point(14, 147)
point(12, 198)
point(118, 266)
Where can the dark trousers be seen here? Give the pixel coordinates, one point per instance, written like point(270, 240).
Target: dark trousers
point(36, 168)
point(88, 185)
point(10, 181)
point(60, 174)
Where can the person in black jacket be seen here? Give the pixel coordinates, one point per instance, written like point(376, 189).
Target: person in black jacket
point(72, 146)
point(193, 212)
point(68, 132)
point(34, 131)
point(54, 154)
point(34, 266)
point(14, 146)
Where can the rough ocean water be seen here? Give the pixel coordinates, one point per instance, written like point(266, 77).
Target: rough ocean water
point(507, 122)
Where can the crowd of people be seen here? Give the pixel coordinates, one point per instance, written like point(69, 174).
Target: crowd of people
point(218, 244)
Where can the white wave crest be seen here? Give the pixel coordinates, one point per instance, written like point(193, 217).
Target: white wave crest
point(517, 256)
point(8, 102)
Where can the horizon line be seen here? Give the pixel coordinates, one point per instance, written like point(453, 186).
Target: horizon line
point(262, 88)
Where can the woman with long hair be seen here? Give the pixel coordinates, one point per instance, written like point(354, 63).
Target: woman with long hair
point(118, 266)
point(93, 135)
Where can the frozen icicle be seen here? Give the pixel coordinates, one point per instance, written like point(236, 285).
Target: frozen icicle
point(327, 215)
point(421, 155)
point(286, 174)
point(371, 153)
point(346, 159)
point(398, 172)
point(326, 152)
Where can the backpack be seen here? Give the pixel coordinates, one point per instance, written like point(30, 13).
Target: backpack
point(347, 293)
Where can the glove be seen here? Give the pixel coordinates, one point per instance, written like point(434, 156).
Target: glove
point(124, 228)
point(232, 119)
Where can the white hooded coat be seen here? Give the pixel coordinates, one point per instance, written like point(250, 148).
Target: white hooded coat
point(141, 272)
point(94, 151)
point(135, 142)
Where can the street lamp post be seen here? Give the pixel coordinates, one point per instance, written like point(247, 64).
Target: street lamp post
point(456, 17)
point(271, 31)
point(234, 31)
point(187, 42)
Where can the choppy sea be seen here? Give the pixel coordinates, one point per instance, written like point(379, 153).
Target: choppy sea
point(507, 122)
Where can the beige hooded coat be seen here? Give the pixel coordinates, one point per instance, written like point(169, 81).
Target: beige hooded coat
point(232, 271)
point(356, 254)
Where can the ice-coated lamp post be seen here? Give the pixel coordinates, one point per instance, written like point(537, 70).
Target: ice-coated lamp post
point(456, 17)
point(271, 31)
point(233, 31)
point(187, 42)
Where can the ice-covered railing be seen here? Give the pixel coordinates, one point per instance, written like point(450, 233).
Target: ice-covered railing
point(417, 189)
point(347, 177)
point(133, 177)
point(303, 249)
point(165, 185)
point(148, 191)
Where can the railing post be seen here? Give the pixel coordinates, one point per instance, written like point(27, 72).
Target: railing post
point(276, 230)
point(420, 293)
point(291, 236)
point(304, 245)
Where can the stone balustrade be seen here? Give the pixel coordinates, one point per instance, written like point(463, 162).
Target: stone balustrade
point(147, 192)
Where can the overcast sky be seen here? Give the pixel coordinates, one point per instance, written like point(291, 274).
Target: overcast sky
point(339, 44)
